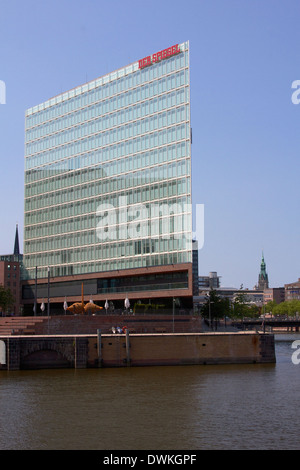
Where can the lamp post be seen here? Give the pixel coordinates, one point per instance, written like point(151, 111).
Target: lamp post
point(65, 305)
point(209, 310)
point(35, 294)
point(48, 306)
point(264, 316)
point(210, 320)
point(127, 304)
point(173, 315)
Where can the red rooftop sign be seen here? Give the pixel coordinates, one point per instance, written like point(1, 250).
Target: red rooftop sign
point(164, 54)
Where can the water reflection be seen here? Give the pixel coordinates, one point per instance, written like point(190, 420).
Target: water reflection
point(189, 407)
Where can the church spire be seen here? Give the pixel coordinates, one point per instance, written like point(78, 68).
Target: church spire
point(16, 247)
point(263, 264)
point(263, 281)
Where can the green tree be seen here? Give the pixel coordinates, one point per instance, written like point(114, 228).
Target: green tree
point(215, 307)
point(6, 299)
point(293, 307)
point(240, 307)
point(280, 309)
point(270, 306)
point(289, 307)
point(253, 311)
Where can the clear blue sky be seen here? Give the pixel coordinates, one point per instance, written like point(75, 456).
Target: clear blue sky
point(244, 56)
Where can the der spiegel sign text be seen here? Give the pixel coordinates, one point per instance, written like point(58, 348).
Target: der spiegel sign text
point(164, 54)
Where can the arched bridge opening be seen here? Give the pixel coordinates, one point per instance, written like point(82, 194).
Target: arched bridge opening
point(45, 359)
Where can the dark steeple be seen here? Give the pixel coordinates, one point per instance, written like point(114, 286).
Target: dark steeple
point(16, 247)
point(263, 281)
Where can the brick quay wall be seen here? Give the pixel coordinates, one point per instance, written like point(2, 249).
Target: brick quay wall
point(90, 324)
point(20, 352)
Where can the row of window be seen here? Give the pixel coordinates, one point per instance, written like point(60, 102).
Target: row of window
point(105, 230)
point(14, 266)
point(108, 135)
point(84, 214)
point(158, 192)
point(110, 184)
point(120, 149)
point(132, 105)
point(88, 207)
point(74, 243)
point(69, 289)
point(86, 96)
point(101, 162)
point(138, 221)
point(85, 267)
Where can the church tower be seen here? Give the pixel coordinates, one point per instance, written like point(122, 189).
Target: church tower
point(263, 281)
point(16, 247)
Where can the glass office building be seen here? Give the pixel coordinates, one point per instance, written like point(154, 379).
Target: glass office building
point(108, 184)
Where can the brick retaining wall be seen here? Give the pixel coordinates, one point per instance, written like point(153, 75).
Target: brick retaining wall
point(114, 350)
point(85, 324)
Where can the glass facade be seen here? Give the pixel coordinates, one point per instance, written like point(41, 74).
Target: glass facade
point(108, 173)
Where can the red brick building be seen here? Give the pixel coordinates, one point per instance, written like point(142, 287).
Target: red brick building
point(276, 294)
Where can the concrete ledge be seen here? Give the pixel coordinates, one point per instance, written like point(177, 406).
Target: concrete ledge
point(150, 349)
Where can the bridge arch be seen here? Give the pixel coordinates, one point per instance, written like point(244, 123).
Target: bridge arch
point(46, 353)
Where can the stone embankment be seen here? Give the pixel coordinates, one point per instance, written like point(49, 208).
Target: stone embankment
point(87, 342)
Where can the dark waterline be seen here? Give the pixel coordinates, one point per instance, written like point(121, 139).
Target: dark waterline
point(190, 407)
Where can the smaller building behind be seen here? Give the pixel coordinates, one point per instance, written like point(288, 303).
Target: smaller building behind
point(212, 281)
point(292, 290)
point(276, 294)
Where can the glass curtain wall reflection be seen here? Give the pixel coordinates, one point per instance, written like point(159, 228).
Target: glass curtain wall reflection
point(108, 173)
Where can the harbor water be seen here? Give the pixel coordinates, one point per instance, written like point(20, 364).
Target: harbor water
point(253, 406)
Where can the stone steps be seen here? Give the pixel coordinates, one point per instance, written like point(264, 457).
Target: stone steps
point(19, 325)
